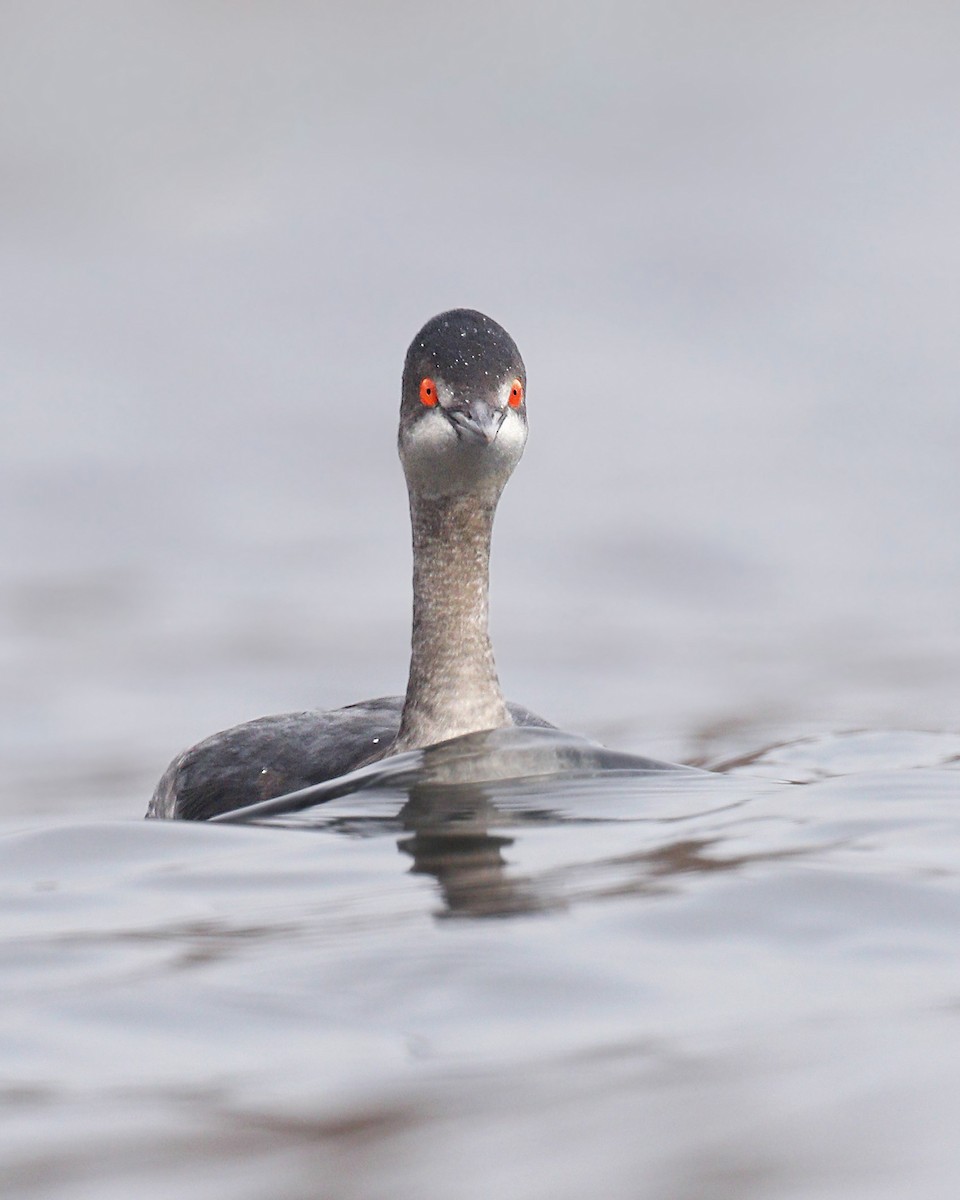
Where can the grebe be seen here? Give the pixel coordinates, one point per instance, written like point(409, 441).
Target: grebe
point(463, 427)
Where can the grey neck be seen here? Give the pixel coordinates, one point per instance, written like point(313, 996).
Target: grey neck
point(453, 687)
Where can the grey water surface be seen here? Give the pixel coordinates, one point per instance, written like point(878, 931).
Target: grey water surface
point(619, 982)
point(726, 241)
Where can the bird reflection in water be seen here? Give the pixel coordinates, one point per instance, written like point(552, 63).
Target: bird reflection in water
point(456, 837)
point(450, 839)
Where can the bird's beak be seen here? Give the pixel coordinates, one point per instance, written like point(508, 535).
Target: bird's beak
point(478, 421)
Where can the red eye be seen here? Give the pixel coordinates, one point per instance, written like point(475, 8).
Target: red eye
point(428, 392)
point(516, 394)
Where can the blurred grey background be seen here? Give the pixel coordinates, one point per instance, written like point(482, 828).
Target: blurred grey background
point(725, 239)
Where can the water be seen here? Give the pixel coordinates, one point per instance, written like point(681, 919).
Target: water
point(726, 242)
point(656, 983)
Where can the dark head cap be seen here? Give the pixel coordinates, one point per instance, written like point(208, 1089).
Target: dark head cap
point(469, 351)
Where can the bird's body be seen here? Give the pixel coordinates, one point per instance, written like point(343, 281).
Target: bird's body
point(463, 427)
point(283, 753)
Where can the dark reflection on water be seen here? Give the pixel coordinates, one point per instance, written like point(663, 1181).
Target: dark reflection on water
point(451, 840)
point(469, 867)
